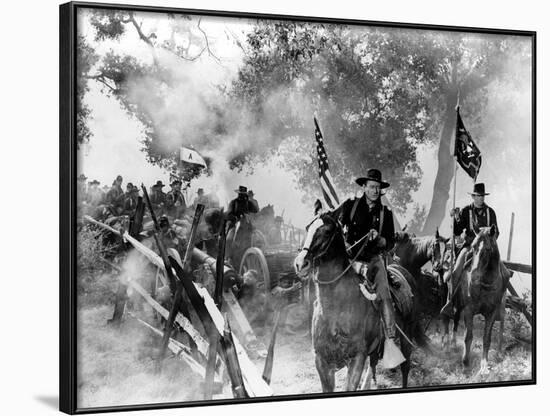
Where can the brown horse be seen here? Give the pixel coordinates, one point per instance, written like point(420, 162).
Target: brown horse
point(430, 293)
point(415, 252)
point(480, 290)
point(346, 326)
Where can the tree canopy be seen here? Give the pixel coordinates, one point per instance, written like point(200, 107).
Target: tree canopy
point(378, 94)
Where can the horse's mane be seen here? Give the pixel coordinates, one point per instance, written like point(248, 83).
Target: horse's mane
point(416, 245)
point(338, 243)
point(485, 234)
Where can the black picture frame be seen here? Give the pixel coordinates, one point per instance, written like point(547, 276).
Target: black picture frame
point(67, 213)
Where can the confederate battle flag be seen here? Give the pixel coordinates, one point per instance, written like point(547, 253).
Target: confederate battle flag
point(466, 151)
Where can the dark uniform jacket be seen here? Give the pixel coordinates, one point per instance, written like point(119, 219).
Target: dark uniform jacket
point(472, 219)
point(175, 203)
point(157, 198)
point(130, 203)
point(239, 207)
point(115, 196)
point(364, 219)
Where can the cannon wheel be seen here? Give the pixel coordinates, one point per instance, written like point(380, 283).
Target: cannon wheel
point(254, 259)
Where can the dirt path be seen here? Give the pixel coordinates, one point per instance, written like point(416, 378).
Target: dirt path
point(117, 366)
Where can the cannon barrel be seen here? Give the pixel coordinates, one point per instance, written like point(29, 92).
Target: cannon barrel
point(229, 274)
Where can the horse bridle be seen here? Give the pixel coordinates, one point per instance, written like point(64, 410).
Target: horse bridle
point(437, 243)
point(327, 245)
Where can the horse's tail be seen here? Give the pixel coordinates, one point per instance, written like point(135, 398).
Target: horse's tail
point(420, 337)
point(403, 298)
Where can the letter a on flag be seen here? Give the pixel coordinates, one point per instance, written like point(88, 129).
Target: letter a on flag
point(191, 156)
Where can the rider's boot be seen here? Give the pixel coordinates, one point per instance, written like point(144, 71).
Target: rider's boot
point(392, 354)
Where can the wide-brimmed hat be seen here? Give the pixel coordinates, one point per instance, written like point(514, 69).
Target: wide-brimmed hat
point(479, 189)
point(95, 182)
point(159, 184)
point(242, 190)
point(372, 175)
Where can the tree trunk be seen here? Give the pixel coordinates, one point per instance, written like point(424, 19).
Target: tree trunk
point(445, 169)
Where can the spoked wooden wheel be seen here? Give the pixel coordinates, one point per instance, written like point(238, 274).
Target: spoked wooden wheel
point(253, 259)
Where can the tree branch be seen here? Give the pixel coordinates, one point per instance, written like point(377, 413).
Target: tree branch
point(207, 44)
point(101, 78)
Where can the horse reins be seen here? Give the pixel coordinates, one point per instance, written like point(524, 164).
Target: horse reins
point(349, 265)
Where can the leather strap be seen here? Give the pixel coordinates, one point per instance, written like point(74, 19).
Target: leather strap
point(354, 209)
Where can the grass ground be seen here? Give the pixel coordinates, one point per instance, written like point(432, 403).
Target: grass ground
point(117, 364)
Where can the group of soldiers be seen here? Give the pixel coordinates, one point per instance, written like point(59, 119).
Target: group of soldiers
point(362, 217)
point(119, 202)
point(365, 217)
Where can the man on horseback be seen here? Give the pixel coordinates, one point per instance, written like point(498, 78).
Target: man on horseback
point(467, 223)
point(175, 201)
point(237, 213)
point(370, 232)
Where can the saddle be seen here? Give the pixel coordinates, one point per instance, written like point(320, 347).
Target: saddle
point(400, 290)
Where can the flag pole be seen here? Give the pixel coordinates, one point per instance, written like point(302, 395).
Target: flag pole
point(454, 190)
point(453, 218)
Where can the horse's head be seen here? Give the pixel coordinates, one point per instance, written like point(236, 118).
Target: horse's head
point(324, 240)
point(485, 249)
point(437, 251)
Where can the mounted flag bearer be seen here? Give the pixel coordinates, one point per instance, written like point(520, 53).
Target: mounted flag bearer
point(467, 223)
point(369, 234)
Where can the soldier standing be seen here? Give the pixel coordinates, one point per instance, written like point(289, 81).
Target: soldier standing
point(175, 201)
point(158, 198)
point(237, 213)
point(130, 199)
point(115, 196)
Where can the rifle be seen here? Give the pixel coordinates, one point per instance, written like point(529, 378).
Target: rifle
point(218, 297)
point(178, 296)
point(160, 244)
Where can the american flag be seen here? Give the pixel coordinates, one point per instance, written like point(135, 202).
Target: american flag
point(327, 184)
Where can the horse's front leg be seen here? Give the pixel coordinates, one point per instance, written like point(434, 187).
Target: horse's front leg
point(370, 372)
point(326, 374)
point(489, 322)
point(469, 324)
point(456, 322)
point(445, 332)
point(406, 348)
point(355, 370)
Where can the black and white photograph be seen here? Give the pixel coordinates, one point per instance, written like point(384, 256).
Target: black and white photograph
point(286, 207)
